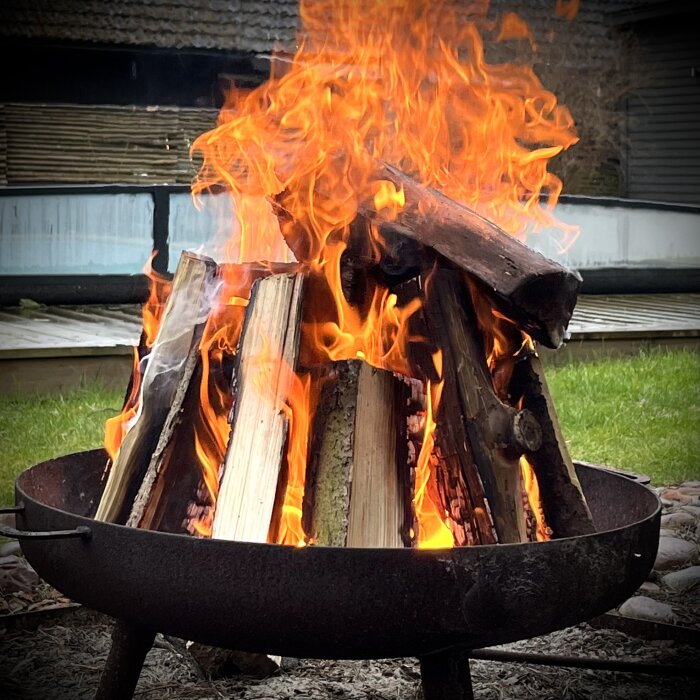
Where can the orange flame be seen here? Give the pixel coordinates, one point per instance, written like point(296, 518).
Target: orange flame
point(396, 81)
point(400, 81)
point(532, 490)
point(514, 27)
point(378, 334)
point(160, 287)
point(117, 427)
point(567, 8)
point(299, 409)
point(433, 530)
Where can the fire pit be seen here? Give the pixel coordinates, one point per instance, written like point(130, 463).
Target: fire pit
point(325, 410)
point(325, 602)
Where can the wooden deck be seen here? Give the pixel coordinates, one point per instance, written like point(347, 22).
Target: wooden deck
point(59, 331)
point(57, 347)
point(636, 316)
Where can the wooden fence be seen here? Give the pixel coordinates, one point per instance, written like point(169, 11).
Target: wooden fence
point(61, 143)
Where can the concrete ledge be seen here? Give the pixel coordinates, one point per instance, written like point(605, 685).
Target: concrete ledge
point(42, 375)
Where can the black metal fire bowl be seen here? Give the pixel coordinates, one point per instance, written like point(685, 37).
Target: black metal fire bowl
point(340, 603)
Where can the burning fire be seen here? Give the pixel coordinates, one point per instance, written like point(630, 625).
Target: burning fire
point(397, 81)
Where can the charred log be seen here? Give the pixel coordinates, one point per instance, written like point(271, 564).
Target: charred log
point(459, 484)
point(536, 291)
point(497, 433)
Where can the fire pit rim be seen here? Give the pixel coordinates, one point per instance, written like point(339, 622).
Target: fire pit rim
point(20, 495)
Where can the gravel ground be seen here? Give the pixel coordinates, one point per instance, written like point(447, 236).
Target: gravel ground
point(64, 661)
point(61, 657)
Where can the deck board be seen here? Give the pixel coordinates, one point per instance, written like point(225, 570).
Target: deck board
point(636, 316)
point(60, 331)
point(64, 331)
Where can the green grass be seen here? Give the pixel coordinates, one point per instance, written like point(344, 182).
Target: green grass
point(638, 413)
point(33, 429)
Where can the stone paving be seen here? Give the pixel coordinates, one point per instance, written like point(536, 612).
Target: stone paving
point(672, 593)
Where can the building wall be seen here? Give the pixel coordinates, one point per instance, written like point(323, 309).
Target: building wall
point(59, 143)
point(663, 132)
point(620, 234)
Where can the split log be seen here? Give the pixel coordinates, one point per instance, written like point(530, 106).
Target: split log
point(175, 489)
point(173, 493)
point(498, 433)
point(563, 502)
point(166, 377)
point(376, 510)
point(357, 495)
point(267, 351)
point(535, 291)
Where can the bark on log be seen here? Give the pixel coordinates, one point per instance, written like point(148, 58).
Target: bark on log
point(178, 495)
point(332, 456)
point(563, 502)
point(254, 455)
point(357, 494)
point(458, 478)
point(164, 383)
point(537, 292)
point(170, 491)
point(498, 433)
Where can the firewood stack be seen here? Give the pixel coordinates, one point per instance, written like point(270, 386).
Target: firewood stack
point(454, 431)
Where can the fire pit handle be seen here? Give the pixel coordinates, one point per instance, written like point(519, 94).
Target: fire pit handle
point(6, 531)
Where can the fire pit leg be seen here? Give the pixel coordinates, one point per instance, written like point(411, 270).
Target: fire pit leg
point(130, 644)
point(445, 675)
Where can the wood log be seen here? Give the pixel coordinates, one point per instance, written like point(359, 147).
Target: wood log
point(535, 291)
point(267, 351)
point(170, 365)
point(498, 433)
point(458, 478)
point(173, 493)
point(459, 483)
point(357, 494)
point(563, 501)
point(170, 490)
point(376, 508)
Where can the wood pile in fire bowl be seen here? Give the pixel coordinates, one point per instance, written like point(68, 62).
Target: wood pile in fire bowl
point(397, 401)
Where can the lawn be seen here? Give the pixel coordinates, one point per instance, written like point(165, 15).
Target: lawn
point(640, 413)
point(38, 428)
